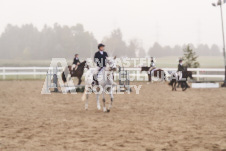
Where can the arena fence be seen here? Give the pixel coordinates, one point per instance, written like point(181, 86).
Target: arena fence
point(201, 74)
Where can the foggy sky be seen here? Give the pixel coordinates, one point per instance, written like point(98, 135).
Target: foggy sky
point(168, 22)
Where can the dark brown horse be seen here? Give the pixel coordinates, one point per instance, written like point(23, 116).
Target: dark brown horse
point(75, 73)
point(159, 73)
point(183, 82)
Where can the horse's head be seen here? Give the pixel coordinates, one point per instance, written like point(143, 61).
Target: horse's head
point(187, 74)
point(112, 63)
point(86, 63)
point(82, 64)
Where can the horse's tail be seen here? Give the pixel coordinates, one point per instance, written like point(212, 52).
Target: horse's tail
point(64, 77)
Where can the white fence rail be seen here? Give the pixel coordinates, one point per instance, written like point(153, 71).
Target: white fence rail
point(37, 71)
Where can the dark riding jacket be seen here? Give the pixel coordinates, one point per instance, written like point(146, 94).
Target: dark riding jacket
point(180, 67)
point(76, 61)
point(100, 59)
point(152, 64)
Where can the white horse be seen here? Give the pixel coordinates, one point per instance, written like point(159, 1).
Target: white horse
point(105, 79)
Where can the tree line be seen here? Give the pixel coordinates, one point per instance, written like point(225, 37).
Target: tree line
point(27, 42)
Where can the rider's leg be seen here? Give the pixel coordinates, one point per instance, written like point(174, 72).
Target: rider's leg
point(95, 76)
point(149, 71)
point(76, 67)
point(73, 66)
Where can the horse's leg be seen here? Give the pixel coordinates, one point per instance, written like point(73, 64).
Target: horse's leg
point(175, 86)
point(187, 85)
point(69, 77)
point(150, 78)
point(98, 102)
point(179, 84)
point(87, 97)
point(184, 86)
point(79, 80)
point(172, 85)
point(104, 107)
point(111, 95)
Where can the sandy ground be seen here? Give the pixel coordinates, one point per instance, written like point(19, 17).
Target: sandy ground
point(156, 119)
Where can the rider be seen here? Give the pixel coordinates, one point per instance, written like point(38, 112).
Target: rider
point(152, 66)
point(180, 68)
point(100, 59)
point(76, 62)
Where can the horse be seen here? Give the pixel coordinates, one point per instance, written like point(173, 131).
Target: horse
point(175, 78)
point(159, 73)
point(75, 73)
point(105, 84)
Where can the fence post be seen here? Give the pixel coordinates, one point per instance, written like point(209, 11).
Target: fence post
point(34, 70)
point(197, 75)
point(3, 71)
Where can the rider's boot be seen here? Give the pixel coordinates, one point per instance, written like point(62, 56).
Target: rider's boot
point(95, 81)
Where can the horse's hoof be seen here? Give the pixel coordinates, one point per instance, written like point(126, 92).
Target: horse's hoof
point(98, 107)
point(104, 109)
point(108, 110)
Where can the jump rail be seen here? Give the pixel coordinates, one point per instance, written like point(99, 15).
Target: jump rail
point(35, 71)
